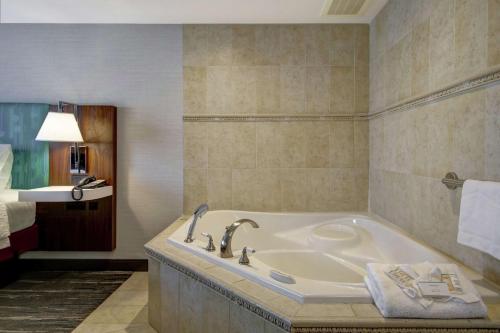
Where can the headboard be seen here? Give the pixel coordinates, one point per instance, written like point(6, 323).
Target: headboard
point(19, 125)
point(98, 126)
point(88, 226)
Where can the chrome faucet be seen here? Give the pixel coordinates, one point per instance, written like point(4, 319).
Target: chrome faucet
point(198, 213)
point(225, 244)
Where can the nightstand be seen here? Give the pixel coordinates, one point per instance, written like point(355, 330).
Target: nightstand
point(68, 225)
point(63, 194)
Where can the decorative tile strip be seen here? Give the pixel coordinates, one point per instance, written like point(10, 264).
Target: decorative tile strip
point(229, 294)
point(276, 118)
point(462, 87)
point(453, 90)
point(391, 330)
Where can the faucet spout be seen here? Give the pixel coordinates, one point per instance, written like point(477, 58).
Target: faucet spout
point(225, 245)
point(198, 213)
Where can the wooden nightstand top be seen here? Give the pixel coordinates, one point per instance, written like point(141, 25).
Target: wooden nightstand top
point(62, 194)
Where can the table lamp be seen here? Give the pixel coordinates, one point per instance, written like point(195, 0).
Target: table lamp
point(63, 127)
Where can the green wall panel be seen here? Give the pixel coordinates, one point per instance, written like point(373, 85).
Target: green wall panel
point(19, 125)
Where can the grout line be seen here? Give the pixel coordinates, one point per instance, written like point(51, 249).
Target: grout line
point(355, 56)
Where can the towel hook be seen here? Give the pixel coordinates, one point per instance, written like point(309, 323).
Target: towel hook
point(452, 181)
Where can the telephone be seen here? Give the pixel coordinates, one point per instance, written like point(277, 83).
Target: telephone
point(86, 183)
point(91, 182)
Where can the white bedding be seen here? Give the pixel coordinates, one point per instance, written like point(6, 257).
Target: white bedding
point(14, 215)
point(4, 226)
point(6, 161)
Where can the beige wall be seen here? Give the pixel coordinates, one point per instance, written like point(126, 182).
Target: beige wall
point(294, 70)
point(418, 47)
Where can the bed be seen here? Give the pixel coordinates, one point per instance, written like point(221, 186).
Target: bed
point(24, 164)
point(17, 222)
point(18, 232)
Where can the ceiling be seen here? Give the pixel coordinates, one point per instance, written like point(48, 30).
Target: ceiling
point(189, 11)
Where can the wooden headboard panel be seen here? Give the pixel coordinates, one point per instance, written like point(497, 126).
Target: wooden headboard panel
point(65, 229)
point(98, 126)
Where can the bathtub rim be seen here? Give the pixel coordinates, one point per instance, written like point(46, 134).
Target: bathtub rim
point(468, 271)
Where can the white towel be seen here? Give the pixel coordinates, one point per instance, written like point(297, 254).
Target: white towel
point(479, 225)
point(393, 302)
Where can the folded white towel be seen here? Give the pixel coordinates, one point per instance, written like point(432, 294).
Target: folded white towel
point(479, 225)
point(393, 302)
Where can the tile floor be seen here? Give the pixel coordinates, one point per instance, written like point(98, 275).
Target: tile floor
point(126, 310)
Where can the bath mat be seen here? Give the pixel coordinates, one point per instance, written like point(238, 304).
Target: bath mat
point(51, 301)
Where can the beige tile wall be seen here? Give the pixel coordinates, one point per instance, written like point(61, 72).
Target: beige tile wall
point(416, 47)
point(186, 305)
point(419, 46)
point(276, 70)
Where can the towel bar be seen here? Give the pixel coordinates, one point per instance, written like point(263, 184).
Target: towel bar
point(452, 181)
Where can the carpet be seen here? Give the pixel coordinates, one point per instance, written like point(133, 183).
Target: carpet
point(44, 301)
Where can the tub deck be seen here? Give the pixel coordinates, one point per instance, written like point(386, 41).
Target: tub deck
point(229, 302)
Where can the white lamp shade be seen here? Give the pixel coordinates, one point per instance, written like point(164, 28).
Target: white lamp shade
point(60, 127)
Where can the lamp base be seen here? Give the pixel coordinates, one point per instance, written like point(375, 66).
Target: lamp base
point(78, 160)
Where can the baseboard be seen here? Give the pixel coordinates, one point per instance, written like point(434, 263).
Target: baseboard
point(136, 265)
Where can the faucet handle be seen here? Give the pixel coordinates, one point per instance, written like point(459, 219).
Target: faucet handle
point(244, 256)
point(210, 247)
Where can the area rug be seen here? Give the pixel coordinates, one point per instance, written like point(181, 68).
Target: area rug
point(54, 301)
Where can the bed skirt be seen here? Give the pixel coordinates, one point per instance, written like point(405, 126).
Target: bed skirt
point(20, 241)
point(6, 254)
point(24, 240)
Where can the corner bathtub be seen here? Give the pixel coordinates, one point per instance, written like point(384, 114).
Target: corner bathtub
point(321, 257)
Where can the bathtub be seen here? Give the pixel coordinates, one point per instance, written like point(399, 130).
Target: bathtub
point(311, 258)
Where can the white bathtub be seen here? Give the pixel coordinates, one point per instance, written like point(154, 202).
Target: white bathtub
point(324, 254)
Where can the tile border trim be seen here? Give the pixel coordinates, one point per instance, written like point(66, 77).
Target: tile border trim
point(230, 295)
point(273, 118)
point(390, 330)
point(461, 87)
point(458, 88)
